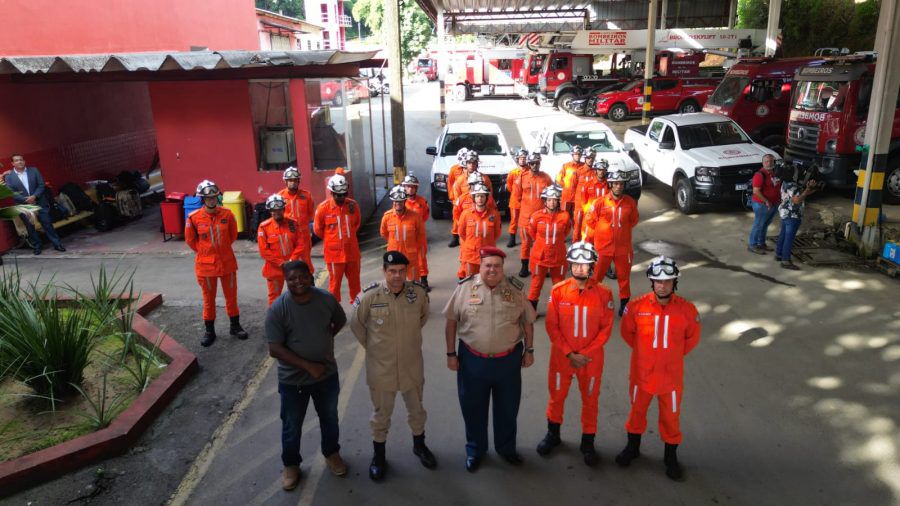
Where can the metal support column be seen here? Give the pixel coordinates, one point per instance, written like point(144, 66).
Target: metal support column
point(648, 62)
point(442, 62)
point(772, 27)
point(391, 27)
point(732, 13)
point(662, 14)
point(870, 184)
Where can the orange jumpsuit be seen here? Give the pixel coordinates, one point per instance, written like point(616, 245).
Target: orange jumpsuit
point(567, 178)
point(419, 205)
point(460, 190)
point(277, 244)
point(613, 220)
point(528, 194)
point(404, 233)
point(588, 189)
point(464, 202)
point(578, 321)
point(337, 226)
point(512, 179)
point(476, 229)
point(592, 192)
point(547, 232)
point(301, 208)
point(659, 337)
point(210, 235)
point(454, 173)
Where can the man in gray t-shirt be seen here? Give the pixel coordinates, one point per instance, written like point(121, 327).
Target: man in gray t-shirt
point(300, 328)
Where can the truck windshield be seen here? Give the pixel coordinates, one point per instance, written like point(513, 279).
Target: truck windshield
point(728, 91)
point(537, 61)
point(425, 62)
point(564, 141)
point(720, 133)
point(484, 144)
point(820, 95)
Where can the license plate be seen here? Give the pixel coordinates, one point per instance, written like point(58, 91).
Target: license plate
point(742, 187)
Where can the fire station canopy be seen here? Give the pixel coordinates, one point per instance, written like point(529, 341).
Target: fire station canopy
point(180, 65)
point(502, 17)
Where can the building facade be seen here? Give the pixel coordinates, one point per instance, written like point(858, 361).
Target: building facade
point(331, 16)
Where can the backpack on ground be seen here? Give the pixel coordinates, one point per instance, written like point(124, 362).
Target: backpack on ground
point(80, 199)
point(128, 203)
point(106, 216)
point(66, 203)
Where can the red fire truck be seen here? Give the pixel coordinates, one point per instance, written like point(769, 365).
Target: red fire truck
point(527, 80)
point(483, 72)
point(756, 93)
point(827, 121)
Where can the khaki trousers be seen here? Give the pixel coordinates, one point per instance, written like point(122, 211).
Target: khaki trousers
point(383, 403)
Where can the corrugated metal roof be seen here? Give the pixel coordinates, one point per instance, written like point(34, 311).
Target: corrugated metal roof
point(169, 61)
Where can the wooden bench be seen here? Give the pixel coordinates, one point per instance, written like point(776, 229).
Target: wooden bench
point(81, 215)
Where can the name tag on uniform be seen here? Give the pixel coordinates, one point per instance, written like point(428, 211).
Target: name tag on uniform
point(475, 300)
point(379, 305)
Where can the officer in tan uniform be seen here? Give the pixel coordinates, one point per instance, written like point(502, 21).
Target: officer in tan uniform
point(495, 325)
point(387, 320)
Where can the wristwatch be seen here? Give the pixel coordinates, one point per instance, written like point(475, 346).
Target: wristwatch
point(529, 350)
point(451, 353)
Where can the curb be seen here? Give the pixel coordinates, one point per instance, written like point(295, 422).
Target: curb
point(124, 431)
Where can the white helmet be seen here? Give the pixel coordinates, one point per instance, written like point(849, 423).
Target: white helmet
point(275, 201)
point(601, 164)
point(662, 268)
point(461, 155)
point(207, 188)
point(472, 157)
point(479, 188)
point(582, 253)
point(551, 192)
point(290, 173)
point(338, 184)
point(410, 180)
point(475, 177)
point(616, 175)
point(398, 194)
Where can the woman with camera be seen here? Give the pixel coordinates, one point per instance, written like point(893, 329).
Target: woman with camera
point(793, 196)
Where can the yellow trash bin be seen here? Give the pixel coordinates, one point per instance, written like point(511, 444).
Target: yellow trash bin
point(234, 202)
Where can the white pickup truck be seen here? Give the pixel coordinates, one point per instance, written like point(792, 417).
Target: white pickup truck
point(703, 157)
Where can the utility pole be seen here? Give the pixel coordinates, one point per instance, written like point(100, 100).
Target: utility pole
point(648, 62)
point(391, 27)
point(772, 27)
point(442, 63)
point(870, 183)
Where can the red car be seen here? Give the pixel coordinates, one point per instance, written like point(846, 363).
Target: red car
point(670, 94)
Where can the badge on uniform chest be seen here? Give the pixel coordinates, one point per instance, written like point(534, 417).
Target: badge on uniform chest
point(411, 295)
point(507, 295)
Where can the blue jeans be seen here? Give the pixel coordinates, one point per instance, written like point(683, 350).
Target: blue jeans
point(294, 401)
point(43, 216)
point(789, 227)
point(762, 218)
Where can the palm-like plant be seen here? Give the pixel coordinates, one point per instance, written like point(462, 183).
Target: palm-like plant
point(13, 211)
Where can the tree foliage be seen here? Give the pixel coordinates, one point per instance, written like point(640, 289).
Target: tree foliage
point(292, 8)
point(416, 30)
point(810, 24)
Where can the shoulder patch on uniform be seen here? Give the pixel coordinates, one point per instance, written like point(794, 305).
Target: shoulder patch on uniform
point(356, 301)
point(515, 282)
point(419, 284)
point(352, 207)
point(611, 306)
point(463, 280)
point(373, 285)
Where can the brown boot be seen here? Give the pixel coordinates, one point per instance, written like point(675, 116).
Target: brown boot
point(290, 477)
point(336, 464)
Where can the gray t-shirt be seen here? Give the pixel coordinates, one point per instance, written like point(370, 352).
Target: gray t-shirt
point(306, 330)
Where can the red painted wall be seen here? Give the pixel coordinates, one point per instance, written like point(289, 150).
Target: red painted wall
point(50, 27)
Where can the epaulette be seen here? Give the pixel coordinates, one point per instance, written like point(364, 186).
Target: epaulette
point(463, 280)
point(419, 284)
point(373, 285)
point(516, 282)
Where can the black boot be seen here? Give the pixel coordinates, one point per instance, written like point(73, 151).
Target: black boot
point(632, 450)
point(591, 458)
point(378, 467)
point(511, 243)
point(236, 329)
point(209, 336)
point(533, 304)
point(673, 468)
point(454, 242)
point(420, 450)
point(524, 272)
point(424, 281)
point(550, 441)
point(622, 304)
point(611, 272)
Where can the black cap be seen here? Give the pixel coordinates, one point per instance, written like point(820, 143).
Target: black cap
point(395, 258)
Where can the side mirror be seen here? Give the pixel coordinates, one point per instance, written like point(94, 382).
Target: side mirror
point(431, 150)
point(544, 150)
point(628, 147)
point(669, 145)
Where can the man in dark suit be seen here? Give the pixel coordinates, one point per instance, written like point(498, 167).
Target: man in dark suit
point(29, 187)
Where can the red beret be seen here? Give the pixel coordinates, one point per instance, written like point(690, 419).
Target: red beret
point(491, 251)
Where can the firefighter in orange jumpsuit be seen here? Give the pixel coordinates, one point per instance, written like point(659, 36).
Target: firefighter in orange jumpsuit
point(210, 232)
point(336, 222)
point(404, 231)
point(455, 170)
point(568, 180)
point(460, 187)
point(278, 243)
point(300, 207)
point(528, 193)
point(614, 217)
point(478, 226)
point(580, 317)
point(547, 231)
point(512, 179)
point(417, 204)
point(583, 176)
point(464, 200)
point(661, 328)
point(591, 188)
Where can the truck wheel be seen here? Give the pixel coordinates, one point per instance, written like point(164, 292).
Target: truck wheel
point(891, 193)
point(338, 99)
point(684, 196)
point(618, 112)
point(775, 143)
point(564, 102)
point(689, 106)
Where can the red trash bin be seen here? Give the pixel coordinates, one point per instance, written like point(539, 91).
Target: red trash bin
point(172, 211)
